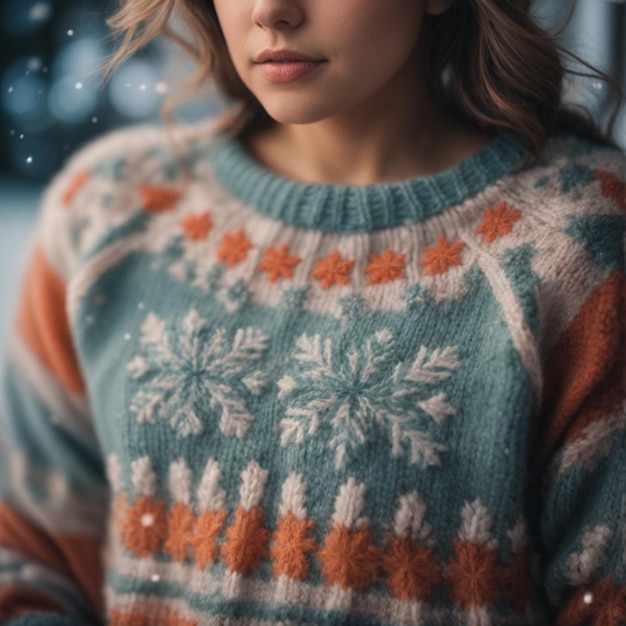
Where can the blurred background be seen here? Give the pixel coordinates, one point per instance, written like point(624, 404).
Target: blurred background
point(52, 100)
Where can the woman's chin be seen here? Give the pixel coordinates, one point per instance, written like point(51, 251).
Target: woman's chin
point(296, 113)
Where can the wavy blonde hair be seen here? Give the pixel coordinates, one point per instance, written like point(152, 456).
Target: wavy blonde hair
point(492, 64)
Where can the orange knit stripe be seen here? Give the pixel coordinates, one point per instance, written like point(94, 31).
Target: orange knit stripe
point(475, 575)
point(291, 546)
point(75, 557)
point(411, 569)
point(74, 187)
point(119, 507)
point(612, 187)
point(136, 618)
point(180, 521)
point(208, 526)
point(42, 323)
point(246, 541)
point(584, 373)
point(17, 601)
point(349, 558)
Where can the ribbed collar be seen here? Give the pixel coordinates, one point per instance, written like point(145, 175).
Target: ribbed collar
point(358, 209)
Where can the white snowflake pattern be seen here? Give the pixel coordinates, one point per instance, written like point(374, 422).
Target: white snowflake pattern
point(365, 390)
point(193, 377)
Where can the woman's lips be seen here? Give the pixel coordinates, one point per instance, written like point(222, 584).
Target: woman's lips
point(287, 71)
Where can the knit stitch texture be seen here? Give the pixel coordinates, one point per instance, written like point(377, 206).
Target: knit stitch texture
point(232, 398)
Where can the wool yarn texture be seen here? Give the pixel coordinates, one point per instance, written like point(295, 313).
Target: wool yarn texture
point(235, 398)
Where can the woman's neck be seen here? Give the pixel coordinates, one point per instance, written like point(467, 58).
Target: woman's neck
point(383, 141)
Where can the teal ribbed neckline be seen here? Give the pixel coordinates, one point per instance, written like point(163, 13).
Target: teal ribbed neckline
point(359, 209)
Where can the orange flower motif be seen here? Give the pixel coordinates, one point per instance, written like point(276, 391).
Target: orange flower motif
point(385, 268)
point(278, 263)
point(332, 270)
point(497, 222)
point(234, 248)
point(145, 526)
point(156, 199)
point(208, 526)
point(518, 581)
point(601, 604)
point(179, 524)
point(74, 187)
point(246, 541)
point(291, 546)
point(475, 575)
point(349, 558)
point(411, 568)
point(440, 258)
point(197, 226)
point(612, 187)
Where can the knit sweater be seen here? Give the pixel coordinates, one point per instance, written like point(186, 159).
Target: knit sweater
point(233, 398)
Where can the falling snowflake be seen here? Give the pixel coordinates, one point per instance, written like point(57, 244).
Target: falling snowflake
point(359, 394)
point(194, 376)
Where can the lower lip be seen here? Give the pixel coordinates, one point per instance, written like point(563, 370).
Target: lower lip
point(288, 72)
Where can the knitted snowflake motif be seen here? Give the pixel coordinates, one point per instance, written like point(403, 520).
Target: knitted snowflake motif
point(358, 394)
point(194, 377)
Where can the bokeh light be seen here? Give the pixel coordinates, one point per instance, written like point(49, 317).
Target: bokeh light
point(69, 104)
point(40, 11)
point(80, 58)
point(22, 17)
point(133, 91)
point(24, 96)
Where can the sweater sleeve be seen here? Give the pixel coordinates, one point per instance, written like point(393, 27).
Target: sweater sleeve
point(53, 491)
point(584, 453)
